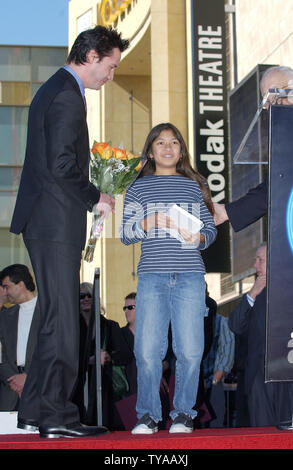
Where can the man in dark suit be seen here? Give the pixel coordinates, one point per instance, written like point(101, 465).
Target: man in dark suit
point(18, 333)
point(251, 207)
point(268, 403)
point(51, 208)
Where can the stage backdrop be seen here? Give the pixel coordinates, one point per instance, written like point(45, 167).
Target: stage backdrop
point(211, 116)
point(279, 330)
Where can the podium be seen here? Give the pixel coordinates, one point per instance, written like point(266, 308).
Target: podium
point(278, 103)
point(279, 320)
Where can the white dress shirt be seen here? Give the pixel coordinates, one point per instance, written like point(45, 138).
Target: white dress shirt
point(250, 300)
point(26, 311)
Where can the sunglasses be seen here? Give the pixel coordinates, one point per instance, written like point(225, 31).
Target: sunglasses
point(129, 307)
point(83, 296)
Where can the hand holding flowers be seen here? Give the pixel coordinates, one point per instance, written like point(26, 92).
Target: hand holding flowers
point(111, 170)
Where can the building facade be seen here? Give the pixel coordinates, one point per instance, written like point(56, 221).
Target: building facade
point(155, 83)
point(23, 69)
point(174, 63)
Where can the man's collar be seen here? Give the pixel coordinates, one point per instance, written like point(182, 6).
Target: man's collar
point(77, 78)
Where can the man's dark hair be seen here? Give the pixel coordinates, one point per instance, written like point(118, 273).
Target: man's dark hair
point(100, 39)
point(17, 273)
point(132, 295)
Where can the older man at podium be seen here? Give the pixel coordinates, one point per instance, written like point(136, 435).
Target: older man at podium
point(275, 85)
point(251, 207)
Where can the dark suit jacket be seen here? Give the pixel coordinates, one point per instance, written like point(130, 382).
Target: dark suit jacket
point(55, 192)
point(249, 208)
point(130, 368)
point(251, 321)
point(8, 365)
point(112, 341)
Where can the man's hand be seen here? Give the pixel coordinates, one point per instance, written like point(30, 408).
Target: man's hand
point(220, 215)
point(105, 357)
point(218, 376)
point(105, 205)
point(16, 382)
point(3, 297)
point(258, 286)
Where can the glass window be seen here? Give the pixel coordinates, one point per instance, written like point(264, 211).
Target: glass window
point(9, 178)
point(15, 93)
point(46, 61)
point(15, 64)
point(7, 203)
point(12, 249)
point(13, 130)
point(35, 87)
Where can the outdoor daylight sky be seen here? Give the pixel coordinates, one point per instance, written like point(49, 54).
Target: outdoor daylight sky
point(34, 22)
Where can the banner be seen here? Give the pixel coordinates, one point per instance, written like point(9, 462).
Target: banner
point(279, 324)
point(211, 116)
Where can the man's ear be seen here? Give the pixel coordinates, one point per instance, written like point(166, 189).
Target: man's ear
point(92, 56)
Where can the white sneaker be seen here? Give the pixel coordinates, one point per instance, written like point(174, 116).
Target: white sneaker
point(182, 423)
point(145, 425)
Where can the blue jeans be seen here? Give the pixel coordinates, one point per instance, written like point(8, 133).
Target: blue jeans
point(161, 298)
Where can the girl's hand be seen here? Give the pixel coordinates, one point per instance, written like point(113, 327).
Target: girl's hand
point(161, 220)
point(189, 237)
point(194, 238)
point(157, 220)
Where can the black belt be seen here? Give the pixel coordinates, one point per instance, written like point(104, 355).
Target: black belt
point(20, 369)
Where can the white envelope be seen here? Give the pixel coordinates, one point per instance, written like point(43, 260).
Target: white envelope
point(183, 219)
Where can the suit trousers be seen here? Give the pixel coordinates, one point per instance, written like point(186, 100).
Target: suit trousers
point(53, 373)
point(269, 403)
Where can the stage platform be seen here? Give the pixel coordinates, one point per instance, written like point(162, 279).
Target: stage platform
point(233, 438)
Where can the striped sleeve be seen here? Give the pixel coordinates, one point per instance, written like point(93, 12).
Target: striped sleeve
point(209, 230)
point(133, 213)
point(225, 353)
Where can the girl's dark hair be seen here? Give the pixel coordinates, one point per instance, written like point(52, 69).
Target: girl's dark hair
point(100, 39)
point(183, 166)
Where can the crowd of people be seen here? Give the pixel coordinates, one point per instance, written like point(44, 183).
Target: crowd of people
point(18, 332)
point(167, 366)
point(255, 403)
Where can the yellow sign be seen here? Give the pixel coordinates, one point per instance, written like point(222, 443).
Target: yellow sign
point(110, 10)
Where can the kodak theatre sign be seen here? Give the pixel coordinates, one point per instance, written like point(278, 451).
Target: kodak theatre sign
point(211, 114)
point(110, 10)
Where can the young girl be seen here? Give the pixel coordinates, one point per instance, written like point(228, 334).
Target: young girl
point(171, 284)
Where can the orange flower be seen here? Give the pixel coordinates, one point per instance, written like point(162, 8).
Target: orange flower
point(130, 155)
point(138, 167)
point(120, 154)
point(106, 151)
point(103, 149)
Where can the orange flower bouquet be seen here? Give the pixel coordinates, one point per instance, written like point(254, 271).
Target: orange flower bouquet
point(111, 170)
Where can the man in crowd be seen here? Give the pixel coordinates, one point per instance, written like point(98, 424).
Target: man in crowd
point(51, 209)
point(128, 333)
point(3, 298)
point(269, 403)
point(18, 333)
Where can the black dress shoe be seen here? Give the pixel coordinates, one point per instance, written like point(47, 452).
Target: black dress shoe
point(285, 426)
point(71, 430)
point(27, 424)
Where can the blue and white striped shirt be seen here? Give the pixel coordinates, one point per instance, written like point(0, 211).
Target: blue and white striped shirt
point(221, 354)
point(159, 251)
